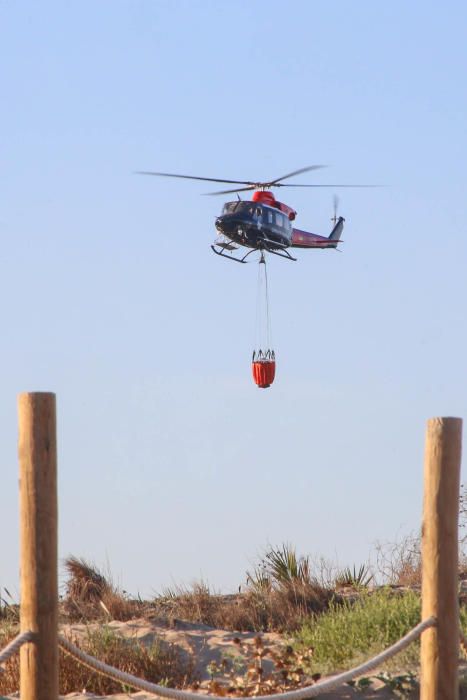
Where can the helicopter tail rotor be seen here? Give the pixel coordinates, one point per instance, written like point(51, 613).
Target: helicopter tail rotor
point(338, 222)
point(335, 204)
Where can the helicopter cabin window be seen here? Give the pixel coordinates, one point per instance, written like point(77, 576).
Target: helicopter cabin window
point(279, 219)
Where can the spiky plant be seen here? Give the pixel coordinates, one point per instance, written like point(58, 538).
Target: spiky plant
point(356, 579)
point(283, 566)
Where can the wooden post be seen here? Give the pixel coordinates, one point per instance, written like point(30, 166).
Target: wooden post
point(440, 645)
point(38, 547)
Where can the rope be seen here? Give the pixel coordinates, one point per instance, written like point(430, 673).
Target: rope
point(268, 319)
point(15, 645)
point(263, 333)
point(257, 328)
point(300, 694)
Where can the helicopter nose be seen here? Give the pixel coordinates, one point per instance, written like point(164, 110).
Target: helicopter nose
point(220, 224)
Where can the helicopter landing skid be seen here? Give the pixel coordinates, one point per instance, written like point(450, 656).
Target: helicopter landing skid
point(264, 246)
point(231, 257)
point(283, 254)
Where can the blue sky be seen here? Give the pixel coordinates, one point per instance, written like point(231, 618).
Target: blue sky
point(172, 465)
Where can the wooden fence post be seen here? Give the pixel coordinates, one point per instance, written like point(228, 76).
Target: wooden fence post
point(38, 545)
point(440, 645)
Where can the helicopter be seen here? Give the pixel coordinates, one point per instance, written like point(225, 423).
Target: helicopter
point(263, 223)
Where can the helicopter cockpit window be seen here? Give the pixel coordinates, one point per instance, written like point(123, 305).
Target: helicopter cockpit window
point(229, 207)
point(239, 207)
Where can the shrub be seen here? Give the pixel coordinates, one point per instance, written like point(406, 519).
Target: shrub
point(353, 578)
point(348, 633)
point(9, 609)
point(90, 595)
point(400, 563)
point(257, 669)
point(261, 608)
point(159, 663)
point(283, 590)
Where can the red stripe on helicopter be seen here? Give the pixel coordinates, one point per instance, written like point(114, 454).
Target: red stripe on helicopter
point(305, 239)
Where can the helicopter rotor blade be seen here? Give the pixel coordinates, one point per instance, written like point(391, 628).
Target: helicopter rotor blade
point(238, 189)
point(292, 174)
point(195, 177)
point(287, 185)
point(266, 185)
point(250, 184)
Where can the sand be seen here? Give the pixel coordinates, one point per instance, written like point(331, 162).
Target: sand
point(205, 645)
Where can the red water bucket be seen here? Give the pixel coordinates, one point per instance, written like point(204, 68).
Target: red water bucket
point(263, 367)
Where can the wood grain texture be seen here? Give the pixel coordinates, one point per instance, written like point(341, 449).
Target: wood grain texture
point(38, 545)
point(440, 645)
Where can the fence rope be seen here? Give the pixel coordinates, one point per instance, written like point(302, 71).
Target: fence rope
point(300, 694)
point(15, 646)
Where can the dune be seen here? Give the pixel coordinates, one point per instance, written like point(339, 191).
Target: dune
point(205, 645)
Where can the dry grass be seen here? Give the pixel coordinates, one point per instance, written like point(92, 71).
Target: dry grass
point(254, 611)
point(9, 609)
point(245, 674)
point(158, 663)
point(400, 563)
point(90, 595)
point(279, 605)
point(279, 595)
point(284, 608)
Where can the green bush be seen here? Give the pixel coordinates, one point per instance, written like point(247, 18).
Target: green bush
point(351, 632)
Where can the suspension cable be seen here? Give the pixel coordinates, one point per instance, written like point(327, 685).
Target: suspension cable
point(263, 332)
point(257, 331)
point(268, 318)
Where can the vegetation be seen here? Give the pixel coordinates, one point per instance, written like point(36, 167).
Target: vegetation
point(281, 567)
point(348, 633)
point(353, 578)
point(159, 663)
point(400, 563)
point(90, 595)
point(331, 618)
point(279, 595)
point(247, 674)
point(255, 610)
point(9, 610)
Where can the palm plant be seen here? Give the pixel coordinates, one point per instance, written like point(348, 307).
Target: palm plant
point(283, 565)
point(356, 579)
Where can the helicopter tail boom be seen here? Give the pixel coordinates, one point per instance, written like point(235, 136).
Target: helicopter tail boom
point(305, 239)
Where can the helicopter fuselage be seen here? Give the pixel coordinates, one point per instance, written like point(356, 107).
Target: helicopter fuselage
point(254, 225)
point(266, 224)
point(263, 223)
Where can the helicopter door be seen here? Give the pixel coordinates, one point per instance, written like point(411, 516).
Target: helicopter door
point(259, 217)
